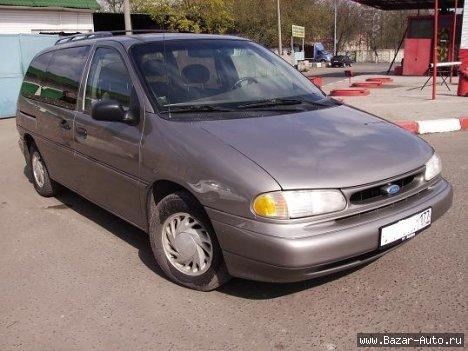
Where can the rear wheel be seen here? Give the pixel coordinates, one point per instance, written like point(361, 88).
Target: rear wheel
point(40, 176)
point(184, 243)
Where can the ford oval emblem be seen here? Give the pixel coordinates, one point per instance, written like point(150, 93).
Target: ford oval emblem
point(390, 189)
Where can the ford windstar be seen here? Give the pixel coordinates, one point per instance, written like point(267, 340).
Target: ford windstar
point(232, 161)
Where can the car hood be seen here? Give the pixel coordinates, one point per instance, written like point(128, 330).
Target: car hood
point(328, 148)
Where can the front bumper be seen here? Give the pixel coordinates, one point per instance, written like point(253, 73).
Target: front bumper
point(274, 252)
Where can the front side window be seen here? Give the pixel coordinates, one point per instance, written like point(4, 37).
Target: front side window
point(228, 73)
point(108, 79)
point(63, 77)
point(35, 76)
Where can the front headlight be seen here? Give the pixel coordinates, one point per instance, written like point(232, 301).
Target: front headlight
point(433, 167)
point(299, 203)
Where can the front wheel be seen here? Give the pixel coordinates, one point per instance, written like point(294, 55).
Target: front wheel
point(184, 243)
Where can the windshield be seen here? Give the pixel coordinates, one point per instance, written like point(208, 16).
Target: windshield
point(221, 73)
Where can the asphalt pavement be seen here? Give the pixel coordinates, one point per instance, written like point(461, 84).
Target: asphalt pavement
point(74, 277)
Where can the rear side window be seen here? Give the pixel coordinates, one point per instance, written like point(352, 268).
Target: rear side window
point(63, 76)
point(34, 78)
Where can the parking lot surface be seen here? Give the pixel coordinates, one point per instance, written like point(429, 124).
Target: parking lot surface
point(74, 277)
point(403, 99)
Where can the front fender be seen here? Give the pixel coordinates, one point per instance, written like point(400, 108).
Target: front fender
point(219, 176)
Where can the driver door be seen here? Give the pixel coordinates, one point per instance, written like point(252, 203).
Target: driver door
point(108, 152)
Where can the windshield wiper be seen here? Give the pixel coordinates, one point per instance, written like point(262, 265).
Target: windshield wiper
point(197, 108)
point(285, 102)
point(272, 102)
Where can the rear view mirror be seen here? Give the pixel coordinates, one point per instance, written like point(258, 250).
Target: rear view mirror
point(112, 111)
point(108, 110)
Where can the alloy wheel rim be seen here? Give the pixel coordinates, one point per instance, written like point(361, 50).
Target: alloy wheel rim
point(38, 170)
point(187, 244)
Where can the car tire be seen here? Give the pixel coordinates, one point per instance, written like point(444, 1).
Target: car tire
point(184, 243)
point(42, 182)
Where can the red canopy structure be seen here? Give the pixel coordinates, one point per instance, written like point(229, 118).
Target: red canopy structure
point(421, 4)
point(408, 4)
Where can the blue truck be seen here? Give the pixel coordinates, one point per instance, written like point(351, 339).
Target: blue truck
point(317, 52)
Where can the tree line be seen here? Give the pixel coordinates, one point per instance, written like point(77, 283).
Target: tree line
point(257, 20)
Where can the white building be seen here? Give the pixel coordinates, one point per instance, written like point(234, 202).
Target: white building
point(46, 16)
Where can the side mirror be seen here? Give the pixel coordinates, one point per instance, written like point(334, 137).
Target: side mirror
point(112, 111)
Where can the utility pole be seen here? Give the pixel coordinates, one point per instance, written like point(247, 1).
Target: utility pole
point(334, 31)
point(127, 18)
point(280, 44)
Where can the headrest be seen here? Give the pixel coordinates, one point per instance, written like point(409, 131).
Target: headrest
point(153, 68)
point(197, 74)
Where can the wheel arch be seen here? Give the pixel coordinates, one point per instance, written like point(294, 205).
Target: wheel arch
point(29, 141)
point(160, 188)
point(163, 187)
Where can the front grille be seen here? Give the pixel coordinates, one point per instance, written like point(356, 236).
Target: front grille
point(395, 205)
point(375, 193)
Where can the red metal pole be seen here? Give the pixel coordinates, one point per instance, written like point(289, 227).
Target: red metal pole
point(434, 57)
point(454, 37)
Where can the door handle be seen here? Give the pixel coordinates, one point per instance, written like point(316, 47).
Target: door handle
point(81, 132)
point(64, 124)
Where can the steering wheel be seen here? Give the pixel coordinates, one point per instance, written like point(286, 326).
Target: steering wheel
point(249, 80)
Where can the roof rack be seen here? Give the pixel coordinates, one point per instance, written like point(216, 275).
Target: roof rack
point(105, 34)
point(140, 31)
point(77, 37)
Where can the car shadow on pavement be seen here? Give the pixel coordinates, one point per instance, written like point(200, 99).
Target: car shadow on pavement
point(113, 224)
point(139, 239)
point(252, 290)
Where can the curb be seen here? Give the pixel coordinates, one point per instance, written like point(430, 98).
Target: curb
point(383, 80)
point(434, 125)
point(373, 84)
point(350, 92)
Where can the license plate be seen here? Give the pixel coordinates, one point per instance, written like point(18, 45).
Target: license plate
point(406, 228)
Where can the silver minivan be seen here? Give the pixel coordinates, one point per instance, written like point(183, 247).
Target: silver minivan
point(232, 161)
